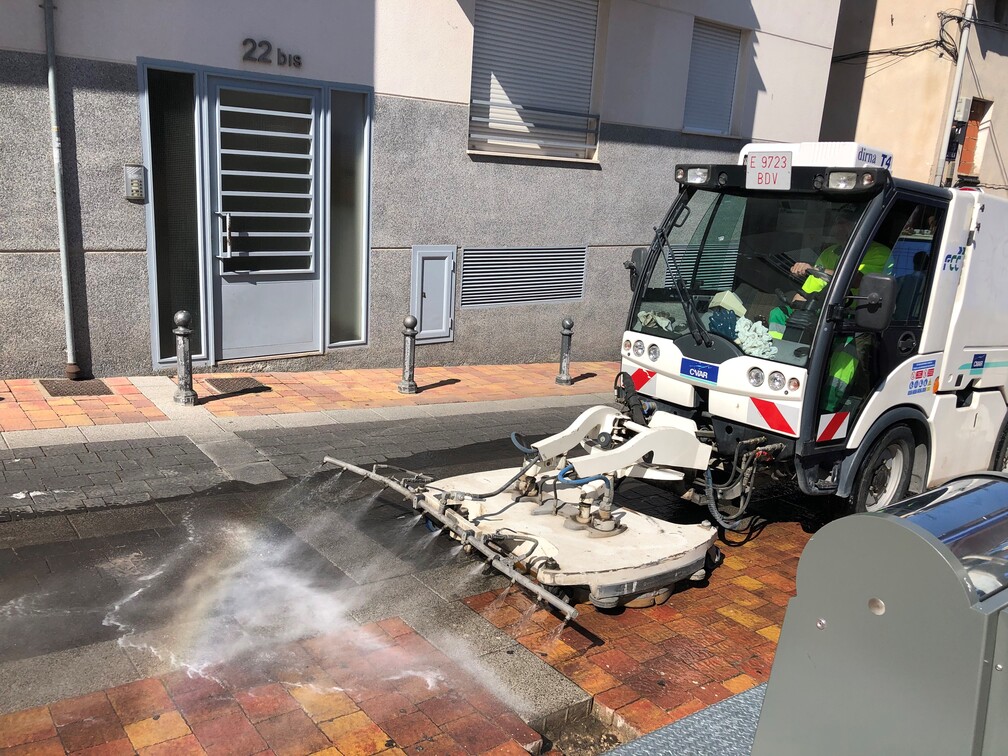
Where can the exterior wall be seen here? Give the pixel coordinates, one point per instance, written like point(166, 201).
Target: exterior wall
point(784, 64)
point(425, 189)
point(396, 46)
point(900, 108)
point(105, 234)
point(986, 77)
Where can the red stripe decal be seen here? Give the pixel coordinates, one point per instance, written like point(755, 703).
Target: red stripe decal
point(832, 426)
point(640, 377)
point(772, 415)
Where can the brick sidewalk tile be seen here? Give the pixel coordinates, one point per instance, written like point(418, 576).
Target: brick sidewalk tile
point(25, 406)
point(648, 667)
point(349, 389)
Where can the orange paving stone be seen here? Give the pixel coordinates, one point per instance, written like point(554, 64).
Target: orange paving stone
point(25, 405)
point(353, 389)
point(302, 711)
point(27, 726)
point(157, 729)
point(646, 668)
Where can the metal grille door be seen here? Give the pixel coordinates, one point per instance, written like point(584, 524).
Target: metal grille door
point(265, 203)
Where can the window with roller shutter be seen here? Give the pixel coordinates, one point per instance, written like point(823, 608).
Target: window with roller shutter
point(533, 63)
point(710, 88)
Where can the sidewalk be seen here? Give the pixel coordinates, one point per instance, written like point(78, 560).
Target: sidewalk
point(25, 405)
point(112, 484)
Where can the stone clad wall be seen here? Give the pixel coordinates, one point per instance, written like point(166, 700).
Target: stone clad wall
point(425, 189)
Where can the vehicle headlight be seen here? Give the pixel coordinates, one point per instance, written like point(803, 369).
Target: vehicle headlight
point(638, 347)
point(756, 376)
point(697, 175)
point(841, 179)
point(653, 353)
point(776, 380)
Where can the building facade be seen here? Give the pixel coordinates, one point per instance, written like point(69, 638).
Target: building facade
point(301, 176)
point(893, 84)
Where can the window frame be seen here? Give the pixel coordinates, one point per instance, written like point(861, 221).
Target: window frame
point(591, 118)
point(731, 131)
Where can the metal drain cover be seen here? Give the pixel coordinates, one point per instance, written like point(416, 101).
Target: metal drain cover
point(93, 387)
point(243, 385)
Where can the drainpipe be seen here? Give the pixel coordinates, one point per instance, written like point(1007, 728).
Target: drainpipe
point(939, 172)
point(72, 370)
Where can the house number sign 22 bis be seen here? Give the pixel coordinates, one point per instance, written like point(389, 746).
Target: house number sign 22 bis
point(261, 51)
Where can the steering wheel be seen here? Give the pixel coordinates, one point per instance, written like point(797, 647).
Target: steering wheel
point(782, 298)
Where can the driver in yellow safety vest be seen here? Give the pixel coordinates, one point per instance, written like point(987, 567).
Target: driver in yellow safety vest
point(849, 352)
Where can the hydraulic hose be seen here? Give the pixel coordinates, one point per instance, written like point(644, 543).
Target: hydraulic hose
point(562, 477)
point(712, 502)
point(502, 489)
point(521, 447)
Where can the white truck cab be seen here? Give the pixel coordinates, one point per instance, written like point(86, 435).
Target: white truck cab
point(825, 324)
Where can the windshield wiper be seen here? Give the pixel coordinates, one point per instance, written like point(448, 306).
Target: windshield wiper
point(693, 322)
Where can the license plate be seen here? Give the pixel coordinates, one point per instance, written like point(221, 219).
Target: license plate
point(768, 170)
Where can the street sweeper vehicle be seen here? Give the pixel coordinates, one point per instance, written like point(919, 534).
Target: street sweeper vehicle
point(802, 320)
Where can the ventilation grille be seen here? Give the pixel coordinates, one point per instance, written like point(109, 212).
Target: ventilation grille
point(492, 277)
point(715, 273)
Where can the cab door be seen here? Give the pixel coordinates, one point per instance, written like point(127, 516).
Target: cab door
point(860, 363)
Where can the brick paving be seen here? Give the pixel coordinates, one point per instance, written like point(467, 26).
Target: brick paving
point(71, 477)
point(353, 389)
point(647, 668)
point(349, 694)
point(643, 668)
point(25, 405)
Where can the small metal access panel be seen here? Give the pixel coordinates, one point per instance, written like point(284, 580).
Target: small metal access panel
point(265, 218)
point(897, 640)
point(432, 292)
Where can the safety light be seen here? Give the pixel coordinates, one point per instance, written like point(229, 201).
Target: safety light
point(680, 174)
point(653, 353)
point(722, 178)
point(638, 347)
point(867, 179)
point(775, 380)
point(841, 180)
point(794, 384)
point(756, 377)
point(698, 175)
point(626, 345)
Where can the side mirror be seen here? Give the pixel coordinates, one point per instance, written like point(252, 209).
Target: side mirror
point(635, 265)
point(873, 308)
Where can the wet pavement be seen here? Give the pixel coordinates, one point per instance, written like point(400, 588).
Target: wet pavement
point(317, 612)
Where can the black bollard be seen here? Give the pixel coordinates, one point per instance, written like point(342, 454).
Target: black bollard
point(407, 385)
point(564, 378)
point(184, 394)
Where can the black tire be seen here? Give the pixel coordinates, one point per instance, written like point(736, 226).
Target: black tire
point(884, 477)
point(999, 460)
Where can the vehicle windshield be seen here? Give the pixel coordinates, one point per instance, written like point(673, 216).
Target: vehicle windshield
point(756, 266)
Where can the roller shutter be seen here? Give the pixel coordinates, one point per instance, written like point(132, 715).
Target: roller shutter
point(532, 78)
point(710, 90)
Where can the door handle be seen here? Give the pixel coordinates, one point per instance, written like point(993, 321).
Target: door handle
point(907, 343)
point(226, 217)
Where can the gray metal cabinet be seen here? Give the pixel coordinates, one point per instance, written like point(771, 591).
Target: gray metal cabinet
point(432, 292)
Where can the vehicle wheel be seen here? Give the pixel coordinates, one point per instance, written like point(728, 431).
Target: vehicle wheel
point(999, 462)
point(885, 475)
